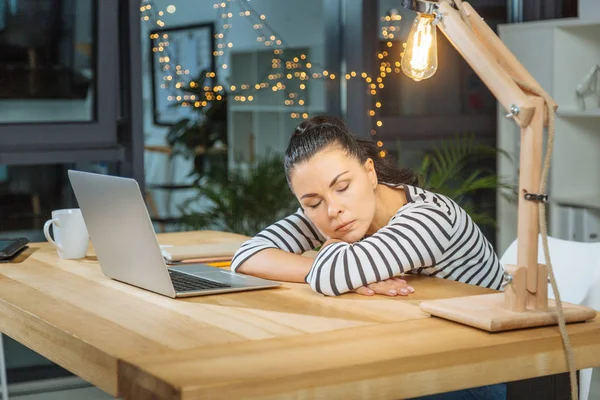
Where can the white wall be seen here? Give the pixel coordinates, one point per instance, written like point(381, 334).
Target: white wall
point(589, 9)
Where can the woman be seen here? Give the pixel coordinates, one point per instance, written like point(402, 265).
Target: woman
point(372, 221)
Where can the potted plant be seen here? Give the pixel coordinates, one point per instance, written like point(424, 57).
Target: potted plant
point(244, 201)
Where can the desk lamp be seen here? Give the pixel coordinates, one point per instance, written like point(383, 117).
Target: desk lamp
point(524, 302)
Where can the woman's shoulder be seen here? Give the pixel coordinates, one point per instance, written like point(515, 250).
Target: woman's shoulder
point(416, 194)
point(422, 199)
point(413, 193)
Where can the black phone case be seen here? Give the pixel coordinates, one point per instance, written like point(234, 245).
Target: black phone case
point(12, 258)
point(14, 249)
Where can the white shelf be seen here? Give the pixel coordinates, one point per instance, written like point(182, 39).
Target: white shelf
point(578, 24)
point(586, 200)
point(263, 126)
point(573, 113)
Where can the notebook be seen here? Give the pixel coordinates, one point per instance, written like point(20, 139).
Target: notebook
point(199, 253)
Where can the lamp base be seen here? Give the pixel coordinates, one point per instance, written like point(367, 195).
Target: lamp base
point(488, 312)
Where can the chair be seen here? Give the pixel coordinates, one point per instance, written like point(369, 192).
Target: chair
point(576, 267)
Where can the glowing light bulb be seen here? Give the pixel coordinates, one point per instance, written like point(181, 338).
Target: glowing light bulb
point(420, 56)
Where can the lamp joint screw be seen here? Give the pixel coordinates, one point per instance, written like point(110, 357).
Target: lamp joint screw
point(514, 110)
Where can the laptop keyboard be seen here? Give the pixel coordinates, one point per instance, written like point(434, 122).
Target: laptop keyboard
point(191, 283)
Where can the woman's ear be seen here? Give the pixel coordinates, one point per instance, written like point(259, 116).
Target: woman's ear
point(370, 169)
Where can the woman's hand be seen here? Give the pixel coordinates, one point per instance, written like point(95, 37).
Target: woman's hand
point(389, 287)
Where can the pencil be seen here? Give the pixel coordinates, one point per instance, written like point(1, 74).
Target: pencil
point(219, 264)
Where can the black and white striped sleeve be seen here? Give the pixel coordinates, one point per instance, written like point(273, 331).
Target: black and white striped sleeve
point(415, 238)
point(294, 234)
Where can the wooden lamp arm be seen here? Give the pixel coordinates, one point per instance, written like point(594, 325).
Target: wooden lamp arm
point(498, 68)
point(501, 53)
point(495, 77)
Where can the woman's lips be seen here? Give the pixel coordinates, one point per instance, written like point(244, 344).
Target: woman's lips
point(345, 227)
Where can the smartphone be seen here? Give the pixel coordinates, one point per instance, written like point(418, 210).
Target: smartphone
point(10, 247)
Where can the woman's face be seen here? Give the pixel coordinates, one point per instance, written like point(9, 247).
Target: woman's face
point(337, 193)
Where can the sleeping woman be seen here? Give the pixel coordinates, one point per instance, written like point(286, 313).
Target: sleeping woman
point(372, 222)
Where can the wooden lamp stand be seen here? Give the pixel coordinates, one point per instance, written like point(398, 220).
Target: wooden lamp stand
point(524, 302)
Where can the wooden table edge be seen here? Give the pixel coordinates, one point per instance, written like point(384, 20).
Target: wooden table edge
point(397, 380)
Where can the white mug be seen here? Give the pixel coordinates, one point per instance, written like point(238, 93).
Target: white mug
point(71, 237)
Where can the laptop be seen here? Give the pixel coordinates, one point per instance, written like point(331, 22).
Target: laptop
point(121, 231)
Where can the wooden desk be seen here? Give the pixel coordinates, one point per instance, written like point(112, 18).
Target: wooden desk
point(279, 343)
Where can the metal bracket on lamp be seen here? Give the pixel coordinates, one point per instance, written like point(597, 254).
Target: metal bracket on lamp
point(427, 7)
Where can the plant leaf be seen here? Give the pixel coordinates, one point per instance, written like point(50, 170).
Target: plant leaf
point(462, 169)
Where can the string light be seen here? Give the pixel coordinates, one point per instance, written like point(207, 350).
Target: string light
point(391, 24)
point(283, 74)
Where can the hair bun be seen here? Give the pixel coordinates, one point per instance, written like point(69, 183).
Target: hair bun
point(318, 121)
point(303, 127)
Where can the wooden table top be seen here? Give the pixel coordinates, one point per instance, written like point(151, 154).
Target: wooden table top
point(287, 342)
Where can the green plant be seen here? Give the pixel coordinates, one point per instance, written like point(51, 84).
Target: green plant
point(244, 200)
point(464, 170)
point(195, 137)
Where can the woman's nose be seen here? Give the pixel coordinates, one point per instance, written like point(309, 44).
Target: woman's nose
point(334, 209)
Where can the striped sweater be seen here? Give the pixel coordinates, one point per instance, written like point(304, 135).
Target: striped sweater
point(429, 235)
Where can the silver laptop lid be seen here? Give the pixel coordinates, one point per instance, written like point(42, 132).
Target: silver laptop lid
point(121, 230)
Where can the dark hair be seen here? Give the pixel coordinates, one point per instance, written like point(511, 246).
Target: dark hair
point(320, 132)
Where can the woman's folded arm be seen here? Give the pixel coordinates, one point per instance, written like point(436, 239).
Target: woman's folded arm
point(274, 253)
point(415, 238)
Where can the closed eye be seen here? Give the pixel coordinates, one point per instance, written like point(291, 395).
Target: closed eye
point(344, 188)
point(316, 205)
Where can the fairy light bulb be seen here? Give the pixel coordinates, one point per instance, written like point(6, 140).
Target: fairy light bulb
point(420, 56)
